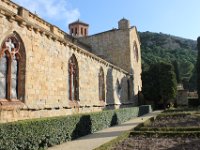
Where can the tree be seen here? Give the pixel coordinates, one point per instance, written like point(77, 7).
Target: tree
point(176, 70)
point(198, 67)
point(150, 88)
point(159, 82)
point(167, 80)
point(164, 48)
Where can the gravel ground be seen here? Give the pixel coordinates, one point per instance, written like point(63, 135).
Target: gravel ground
point(140, 142)
point(174, 121)
point(158, 143)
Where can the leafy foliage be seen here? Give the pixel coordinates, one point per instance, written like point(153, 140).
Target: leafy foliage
point(198, 67)
point(159, 47)
point(42, 133)
point(159, 82)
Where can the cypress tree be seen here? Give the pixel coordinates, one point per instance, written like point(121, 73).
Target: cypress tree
point(198, 67)
point(159, 82)
point(176, 70)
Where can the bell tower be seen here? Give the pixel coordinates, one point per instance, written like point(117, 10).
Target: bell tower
point(78, 28)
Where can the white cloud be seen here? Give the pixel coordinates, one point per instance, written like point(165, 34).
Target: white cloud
point(56, 10)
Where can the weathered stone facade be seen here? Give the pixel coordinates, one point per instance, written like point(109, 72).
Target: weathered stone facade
point(121, 47)
point(44, 68)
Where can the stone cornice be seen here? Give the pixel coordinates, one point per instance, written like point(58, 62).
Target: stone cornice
point(22, 18)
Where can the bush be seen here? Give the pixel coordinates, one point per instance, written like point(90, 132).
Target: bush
point(46, 132)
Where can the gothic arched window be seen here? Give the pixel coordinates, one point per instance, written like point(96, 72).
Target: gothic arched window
point(135, 50)
point(101, 85)
point(12, 68)
point(128, 89)
point(73, 79)
point(118, 88)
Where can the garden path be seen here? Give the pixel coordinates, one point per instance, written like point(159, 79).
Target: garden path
point(99, 138)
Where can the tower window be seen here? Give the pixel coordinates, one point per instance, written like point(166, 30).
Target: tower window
point(72, 31)
point(81, 31)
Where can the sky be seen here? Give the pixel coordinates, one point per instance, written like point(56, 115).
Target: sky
point(174, 17)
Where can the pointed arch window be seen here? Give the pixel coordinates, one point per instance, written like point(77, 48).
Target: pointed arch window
point(73, 79)
point(118, 88)
point(135, 50)
point(128, 89)
point(101, 85)
point(12, 68)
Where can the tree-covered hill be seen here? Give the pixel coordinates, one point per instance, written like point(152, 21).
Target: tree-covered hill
point(159, 47)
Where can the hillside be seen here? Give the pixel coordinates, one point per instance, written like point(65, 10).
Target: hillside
point(158, 47)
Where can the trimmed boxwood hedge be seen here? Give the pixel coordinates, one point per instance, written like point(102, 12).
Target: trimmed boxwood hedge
point(42, 133)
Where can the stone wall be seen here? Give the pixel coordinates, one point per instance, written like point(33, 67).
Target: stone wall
point(182, 98)
point(117, 47)
point(111, 46)
point(46, 78)
point(136, 67)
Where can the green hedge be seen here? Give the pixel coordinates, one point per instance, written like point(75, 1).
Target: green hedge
point(42, 133)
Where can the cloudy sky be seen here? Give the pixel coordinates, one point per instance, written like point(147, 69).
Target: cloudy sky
point(175, 17)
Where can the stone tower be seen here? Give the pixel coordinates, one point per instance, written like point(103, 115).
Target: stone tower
point(78, 28)
point(124, 24)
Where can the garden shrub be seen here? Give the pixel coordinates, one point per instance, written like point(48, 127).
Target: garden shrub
point(42, 133)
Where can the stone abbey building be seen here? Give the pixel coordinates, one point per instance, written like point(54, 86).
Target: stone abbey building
point(46, 72)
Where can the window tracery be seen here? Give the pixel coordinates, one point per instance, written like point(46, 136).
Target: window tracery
point(10, 66)
point(73, 79)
